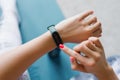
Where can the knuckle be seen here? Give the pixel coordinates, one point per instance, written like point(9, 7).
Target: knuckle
point(94, 18)
point(89, 30)
point(75, 55)
point(99, 23)
point(83, 23)
point(82, 47)
point(97, 57)
point(87, 43)
point(77, 47)
point(91, 63)
point(100, 30)
point(96, 39)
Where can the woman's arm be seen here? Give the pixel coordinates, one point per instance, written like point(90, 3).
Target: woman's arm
point(15, 62)
point(107, 74)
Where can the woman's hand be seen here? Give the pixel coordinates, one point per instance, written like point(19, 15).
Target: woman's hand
point(78, 28)
point(93, 61)
point(93, 58)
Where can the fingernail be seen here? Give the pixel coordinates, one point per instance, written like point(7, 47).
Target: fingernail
point(72, 59)
point(61, 46)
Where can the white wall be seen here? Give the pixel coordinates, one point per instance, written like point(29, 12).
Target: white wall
point(108, 12)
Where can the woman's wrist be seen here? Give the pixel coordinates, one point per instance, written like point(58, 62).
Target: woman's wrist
point(61, 33)
point(107, 74)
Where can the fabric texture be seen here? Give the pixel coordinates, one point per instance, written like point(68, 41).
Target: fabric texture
point(10, 37)
point(10, 40)
point(25, 76)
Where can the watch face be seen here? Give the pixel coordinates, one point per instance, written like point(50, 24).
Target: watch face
point(52, 28)
point(55, 35)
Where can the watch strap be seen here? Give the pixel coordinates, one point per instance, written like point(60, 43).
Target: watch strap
point(56, 37)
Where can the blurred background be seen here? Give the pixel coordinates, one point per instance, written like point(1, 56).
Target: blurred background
point(107, 11)
point(36, 15)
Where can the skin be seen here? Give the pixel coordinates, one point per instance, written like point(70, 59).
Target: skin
point(94, 60)
point(15, 62)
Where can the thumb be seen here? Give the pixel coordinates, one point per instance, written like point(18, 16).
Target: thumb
point(75, 65)
point(72, 60)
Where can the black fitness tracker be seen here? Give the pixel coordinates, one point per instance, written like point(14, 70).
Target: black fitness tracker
point(55, 35)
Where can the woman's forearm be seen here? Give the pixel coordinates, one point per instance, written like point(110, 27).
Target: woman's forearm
point(17, 61)
point(107, 74)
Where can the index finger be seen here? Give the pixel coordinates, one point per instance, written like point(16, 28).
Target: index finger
point(85, 14)
point(96, 41)
point(69, 51)
point(73, 53)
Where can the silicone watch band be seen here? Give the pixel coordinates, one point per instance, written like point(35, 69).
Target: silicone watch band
point(55, 35)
